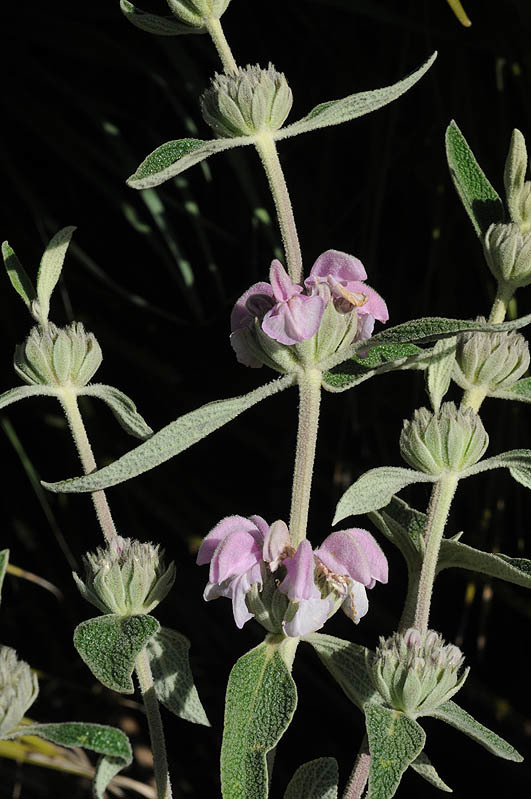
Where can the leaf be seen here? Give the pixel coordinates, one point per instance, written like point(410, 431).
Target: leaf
point(260, 703)
point(50, 269)
point(439, 374)
point(18, 275)
point(21, 392)
point(173, 681)
point(123, 408)
point(153, 23)
point(174, 157)
point(456, 717)
point(482, 203)
point(379, 359)
point(403, 525)
point(422, 765)
point(518, 461)
point(4, 560)
point(374, 490)
point(110, 644)
point(335, 112)
point(521, 391)
point(395, 741)
point(346, 663)
point(109, 742)
point(171, 440)
point(513, 570)
point(316, 779)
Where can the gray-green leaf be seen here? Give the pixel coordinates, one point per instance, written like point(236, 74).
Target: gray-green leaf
point(518, 461)
point(456, 717)
point(482, 203)
point(403, 525)
point(379, 359)
point(521, 391)
point(513, 570)
point(4, 560)
point(109, 645)
point(109, 742)
point(173, 681)
point(374, 490)
point(395, 741)
point(171, 440)
point(439, 373)
point(423, 766)
point(334, 112)
point(153, 23)
point(260, 703)
point(18, 275)
point(316, 779)
point(346, 663)
point(123, 408)
point(50, 269)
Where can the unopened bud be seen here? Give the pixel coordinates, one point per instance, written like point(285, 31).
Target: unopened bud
point(495, 361)
point(53, 356)
point(508, 254)
point(517, 189)
point(18, 689)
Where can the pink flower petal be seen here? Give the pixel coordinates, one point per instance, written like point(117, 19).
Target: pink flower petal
point(237, 552)
point(260, 523)
point(342, 554)
point(281, 284)
point(275, 544)
point(377, 560)
point(310, 616)
point(260, 294)
point(356, 604)
point(338, 264)
point(375, 305)
point(222, 529)
point(299, 583)
point(240, 611)
point(294, 321)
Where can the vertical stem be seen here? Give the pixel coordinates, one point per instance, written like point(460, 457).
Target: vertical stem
point(360, 773)
point(68, 399)
point(441, 498)
point(267, 151)
point(213, 26)
point(158, 745)
point(309, 401)
point(499, 308)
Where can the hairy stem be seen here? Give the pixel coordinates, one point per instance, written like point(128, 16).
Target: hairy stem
point(309, 401)
point(68, 399)
point(360, 773)
point(265, 145)
point(441, 498)
point(158, 744)
point(213, 26)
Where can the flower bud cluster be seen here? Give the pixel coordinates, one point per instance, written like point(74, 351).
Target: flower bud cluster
point(449, 440)
point(415, 674)
point(53, 356)
point(508, 254)
point(248, 102)
point(494, 361)
point(18, 689)
point(127, 578)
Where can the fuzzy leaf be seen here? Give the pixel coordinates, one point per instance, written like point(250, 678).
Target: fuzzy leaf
point(109, 742)
point(18, 275)
point(403, 525)
point(395, 741)
point(375, 489)
point(4, 560)
point(379, 359)
point(346, 663)
point(110, 644)
point(174, 157)
point(521, 391)
point(456, 717)
point(260, 703)
point(334, 112)
point(439, 373)
point(482, 203)
point(518, 461)
point(173, 681)
point(423, 766)
point(513, 570)
point(21, 392)
point(50, 268)
point(314, 780)
point(123, 408)
point(153, 23)
point(171, 440)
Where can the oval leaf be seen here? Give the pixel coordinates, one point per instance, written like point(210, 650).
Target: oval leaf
point(513, 570)
point(346, 663)
point(456, 717)
point(316, 779)
point(109, 742)
point(50, 269)
point(375, 489)
point(110, 644)
point(153, 23)
point(172, 439)
point(4, 560)
point(395, 741)
point(172, 677)
point(379, 359)
point(123, 408)
point(260, 703)
point(335, 112)
point(18, 275)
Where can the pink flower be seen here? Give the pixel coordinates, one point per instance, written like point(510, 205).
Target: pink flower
point(299, 585)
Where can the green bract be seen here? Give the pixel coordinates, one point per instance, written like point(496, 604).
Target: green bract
point(494, 361)
point(518, 190)
point(127, 578)
point(53, 356)
point(18, 689)
point(248, 102)
point(508, 254)
point(449, 440)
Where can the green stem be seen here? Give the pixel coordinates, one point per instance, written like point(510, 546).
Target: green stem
point(501, 303)
point(360, 773)
point(213, 26)
point(309, 401)
point(441, 498)
point(158, 745)
point(266, 148)
point(68, 400)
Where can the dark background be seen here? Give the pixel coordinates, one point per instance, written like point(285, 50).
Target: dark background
point(85, 97)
